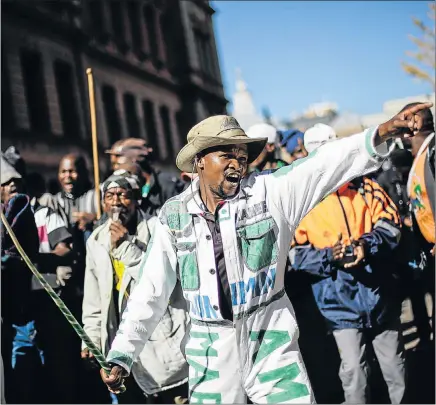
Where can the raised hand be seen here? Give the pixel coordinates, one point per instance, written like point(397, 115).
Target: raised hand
point(405, 124)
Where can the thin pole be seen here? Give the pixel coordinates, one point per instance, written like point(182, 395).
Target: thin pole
point(59, 303)
point(94, 140)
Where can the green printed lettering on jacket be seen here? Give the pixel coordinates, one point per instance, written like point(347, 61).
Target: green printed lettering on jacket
point(201, 397)
point(285, 376)
point(206, 345)
point(202, 373)
point(270, 340)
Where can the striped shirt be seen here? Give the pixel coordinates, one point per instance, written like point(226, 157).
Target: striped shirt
point(84, 203)
point(52, 230)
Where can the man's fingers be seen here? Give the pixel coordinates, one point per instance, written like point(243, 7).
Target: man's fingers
point(403, 124)
point(348, 265)
point(418, 107)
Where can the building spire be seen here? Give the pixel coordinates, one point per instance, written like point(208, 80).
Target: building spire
point(240, 84)
point(244, 109)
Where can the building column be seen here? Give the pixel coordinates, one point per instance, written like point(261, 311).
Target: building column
point(140, 114)
point(18, 92)
point(102, 130)
point(176, 138)
point(160, 133)
point(214, 51)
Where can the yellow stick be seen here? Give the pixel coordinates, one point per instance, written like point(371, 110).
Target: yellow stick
point(94, 140)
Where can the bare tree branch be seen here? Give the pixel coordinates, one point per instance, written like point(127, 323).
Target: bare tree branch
point(425, 53)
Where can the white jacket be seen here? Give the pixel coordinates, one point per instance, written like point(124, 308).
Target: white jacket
point(161, 364)
point(257, 226)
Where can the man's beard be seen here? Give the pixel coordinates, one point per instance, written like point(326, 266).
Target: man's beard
point(219, 192)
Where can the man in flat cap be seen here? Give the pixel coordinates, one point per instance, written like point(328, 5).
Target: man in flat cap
point(157, 186)
point(226, 239)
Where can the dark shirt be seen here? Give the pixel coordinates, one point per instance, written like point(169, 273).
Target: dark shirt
point(225, 298)
point(396, 187)
point(163, 186)
point(15, 275)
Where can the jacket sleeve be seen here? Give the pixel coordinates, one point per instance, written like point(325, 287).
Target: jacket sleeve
point(294, 190)
point(91, 307)
point(305, 257)
point(317, 262)
point(149, 299)
point(386, 233)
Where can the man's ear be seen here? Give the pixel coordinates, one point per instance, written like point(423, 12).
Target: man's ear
point(200, 162)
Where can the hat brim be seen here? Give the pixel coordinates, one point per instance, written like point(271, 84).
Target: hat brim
point(185, 158)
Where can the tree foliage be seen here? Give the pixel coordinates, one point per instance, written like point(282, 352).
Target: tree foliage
point(424, 65)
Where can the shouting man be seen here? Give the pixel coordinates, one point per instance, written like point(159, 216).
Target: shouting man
point(226, 239)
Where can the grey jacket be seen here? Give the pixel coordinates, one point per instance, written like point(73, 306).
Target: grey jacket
point(161, 364)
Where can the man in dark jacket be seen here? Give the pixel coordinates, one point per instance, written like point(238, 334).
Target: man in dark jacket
point(21, 354)
point(346, 244)
point(394, 180)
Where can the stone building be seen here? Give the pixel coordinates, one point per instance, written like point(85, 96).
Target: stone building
point(155, 69)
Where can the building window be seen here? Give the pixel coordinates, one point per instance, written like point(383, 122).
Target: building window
point(150, 126)
point(67, 98)
point(111, 113)
point(165, 119)
point(204, 51)
point(34, 85)
point(8, 120)
point(117, 19)
point(150, 22)
point(95, 8)
point(131, 115)
point(135, 24)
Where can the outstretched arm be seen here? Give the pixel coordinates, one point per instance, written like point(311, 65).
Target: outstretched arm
point(294, 190)
point(149, 299)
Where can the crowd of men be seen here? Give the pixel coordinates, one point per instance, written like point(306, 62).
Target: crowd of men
point(358, 253)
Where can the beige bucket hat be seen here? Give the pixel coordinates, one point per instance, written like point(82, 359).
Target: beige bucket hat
point(215, 131)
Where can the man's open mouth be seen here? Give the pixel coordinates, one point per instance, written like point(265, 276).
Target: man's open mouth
point(233, 178)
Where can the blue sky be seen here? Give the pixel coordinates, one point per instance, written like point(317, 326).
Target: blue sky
point(295, 53)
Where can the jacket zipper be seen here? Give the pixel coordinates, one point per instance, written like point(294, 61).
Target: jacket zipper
point(345, 216)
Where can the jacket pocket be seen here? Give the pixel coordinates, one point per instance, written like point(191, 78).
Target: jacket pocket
point(258, 244)
point(188, 266)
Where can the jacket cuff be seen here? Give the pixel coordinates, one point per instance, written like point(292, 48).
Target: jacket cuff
point(329, 254)
point(381, 151)
point(121, 359)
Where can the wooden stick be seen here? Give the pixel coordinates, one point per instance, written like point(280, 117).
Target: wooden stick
point(94, 141)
